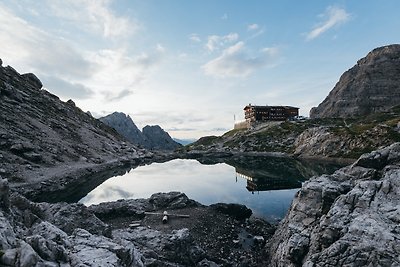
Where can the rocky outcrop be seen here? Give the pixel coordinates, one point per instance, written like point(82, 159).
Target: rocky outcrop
point(151, 137)
point(372, 85)
point(349, 218)
point(159, 139)
point(61, 234)
point(344, 141)
point(43, 138)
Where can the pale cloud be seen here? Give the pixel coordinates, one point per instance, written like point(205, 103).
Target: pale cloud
point(224, 16)
point(214, 42)
point(235, 61)
point(194, 38)
point(333, 16)
point(253, 27)
point(94, 16)
point(118, 73)
point(32, 49)
point(66, 89)
point(111, 96)
point(68, 70)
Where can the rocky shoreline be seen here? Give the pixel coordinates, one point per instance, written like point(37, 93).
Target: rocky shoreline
point(61, 234)
point(349, 218)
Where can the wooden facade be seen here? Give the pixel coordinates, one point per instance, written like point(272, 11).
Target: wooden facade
point(254, 114)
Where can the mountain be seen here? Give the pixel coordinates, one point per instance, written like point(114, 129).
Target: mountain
point(372, 85)
point(159, 139)
point(184, 141)
point(151, 137)
point(124, 125)
point(42, 137)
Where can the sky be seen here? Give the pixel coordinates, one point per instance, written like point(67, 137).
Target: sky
point(191, 66)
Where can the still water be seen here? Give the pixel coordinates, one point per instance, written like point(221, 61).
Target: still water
point(266, 185)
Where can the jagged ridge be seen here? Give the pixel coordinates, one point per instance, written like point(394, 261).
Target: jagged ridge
point(151, 137)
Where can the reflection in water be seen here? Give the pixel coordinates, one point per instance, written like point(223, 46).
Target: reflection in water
point(275, 180)
point(264, 174)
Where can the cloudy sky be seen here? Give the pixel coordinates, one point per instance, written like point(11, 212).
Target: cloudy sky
point(191, 66)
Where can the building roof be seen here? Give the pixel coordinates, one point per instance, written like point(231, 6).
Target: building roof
point(266, 106)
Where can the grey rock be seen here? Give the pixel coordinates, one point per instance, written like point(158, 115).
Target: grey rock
point(1, 62)
point(237, 211)
point(9, 257)
point(93, 250)
point(207, 263)
point(70, 217)
point(372, 85)
point(4, 194)
point(32, 80)
point(28, 257)
point(171, 200)
point(349, 218)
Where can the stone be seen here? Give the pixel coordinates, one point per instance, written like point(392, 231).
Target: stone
point(207, 263)
point(171, 200)
point(31, 79)
point(28, 257)
point(372, 85)
point(4, 195)
point(237, 211)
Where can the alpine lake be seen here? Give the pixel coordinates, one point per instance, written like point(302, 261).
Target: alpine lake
point(266, 185)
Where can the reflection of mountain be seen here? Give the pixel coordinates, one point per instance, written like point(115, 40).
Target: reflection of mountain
point(267, 173)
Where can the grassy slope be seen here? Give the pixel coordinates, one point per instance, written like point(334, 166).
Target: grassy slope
point(360, 135)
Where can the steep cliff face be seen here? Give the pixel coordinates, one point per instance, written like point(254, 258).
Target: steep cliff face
point(42, 136)
point(372, 85)
point(159, 139)
point(349, 218)
point(151, 137)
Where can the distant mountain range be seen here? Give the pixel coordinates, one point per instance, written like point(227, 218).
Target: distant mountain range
point(184, 141)
point(151, 137)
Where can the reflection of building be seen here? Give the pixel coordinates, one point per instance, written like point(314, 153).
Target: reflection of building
point(266, 183)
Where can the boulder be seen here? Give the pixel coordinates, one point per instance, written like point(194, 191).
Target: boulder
point(31, 79)
point(237, 211)
point(171, 200)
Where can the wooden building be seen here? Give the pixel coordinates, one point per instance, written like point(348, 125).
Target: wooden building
point(254, 114)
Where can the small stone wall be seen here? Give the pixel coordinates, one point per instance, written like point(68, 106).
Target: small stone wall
point(241, 125)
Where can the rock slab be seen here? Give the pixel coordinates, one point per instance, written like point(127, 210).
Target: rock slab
point(349, 218)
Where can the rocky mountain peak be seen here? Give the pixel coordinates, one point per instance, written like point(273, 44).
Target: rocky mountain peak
point(151, 137)
point(159, 139)
point(372, 85)
point(124, 125)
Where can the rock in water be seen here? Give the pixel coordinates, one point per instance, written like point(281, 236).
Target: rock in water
point(349, 218)
point(372, 85)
